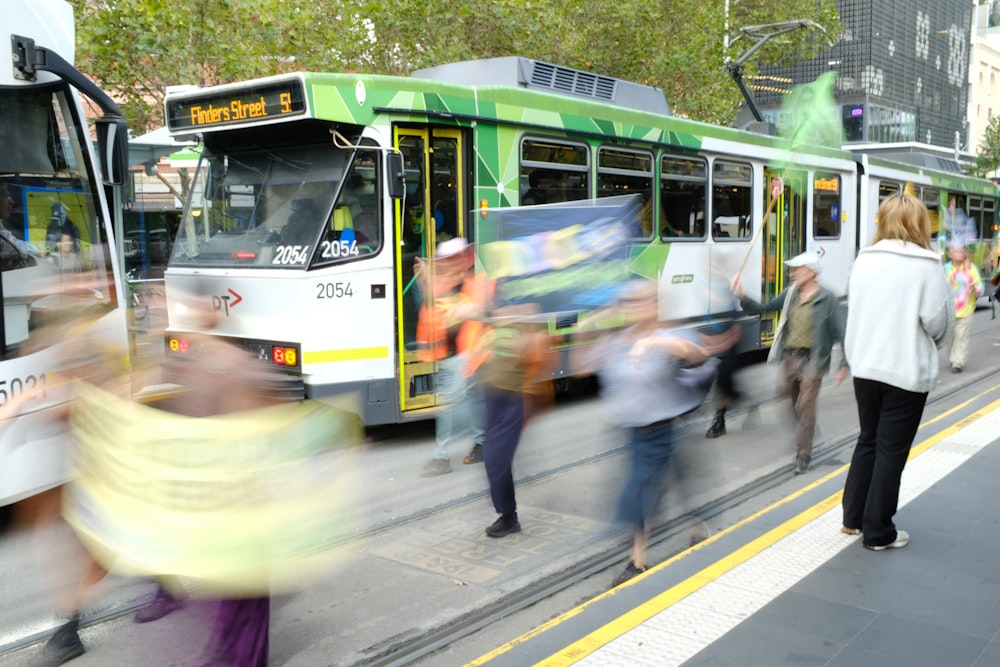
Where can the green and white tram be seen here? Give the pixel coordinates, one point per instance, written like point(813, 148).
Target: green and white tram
point(947, 193)
point(315, 192)
point(58, 274)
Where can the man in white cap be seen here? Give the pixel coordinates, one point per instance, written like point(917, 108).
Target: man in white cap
point(811, 321)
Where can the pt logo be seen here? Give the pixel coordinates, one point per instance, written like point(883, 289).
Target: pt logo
point(226, 302)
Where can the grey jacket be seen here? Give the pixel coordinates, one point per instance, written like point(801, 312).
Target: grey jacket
point(901, 311)
point(828, 325)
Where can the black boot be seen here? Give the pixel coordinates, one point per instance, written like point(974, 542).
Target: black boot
point(718, 427)
point(64, 645)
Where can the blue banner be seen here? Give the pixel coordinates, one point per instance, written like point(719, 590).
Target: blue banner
point(570, 256)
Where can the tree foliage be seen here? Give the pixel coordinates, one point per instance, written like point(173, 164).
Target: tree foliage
point(988, 160)
point(135, 48)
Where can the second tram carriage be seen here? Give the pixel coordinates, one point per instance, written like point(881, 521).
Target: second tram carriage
point(315, 192)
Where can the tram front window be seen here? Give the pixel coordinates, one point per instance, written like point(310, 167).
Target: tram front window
point(53, 259)
point(281, 208)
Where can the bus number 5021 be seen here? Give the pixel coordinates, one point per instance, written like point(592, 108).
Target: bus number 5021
point(334, 290)
point(17, 386)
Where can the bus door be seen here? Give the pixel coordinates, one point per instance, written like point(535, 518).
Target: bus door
point(784, 237)
point(433, 211)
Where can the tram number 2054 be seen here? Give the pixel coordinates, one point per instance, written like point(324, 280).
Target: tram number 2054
point(334, 249)
point(334, 290)
point(299, 254)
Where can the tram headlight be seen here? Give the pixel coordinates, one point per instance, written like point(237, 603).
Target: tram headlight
point(284, 356)
point(177, 344)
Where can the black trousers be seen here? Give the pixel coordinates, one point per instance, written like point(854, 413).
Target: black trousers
point(504, 422)
point(889, 418)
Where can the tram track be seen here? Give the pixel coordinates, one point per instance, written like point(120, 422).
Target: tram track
point(414, 649)
point(406, 653)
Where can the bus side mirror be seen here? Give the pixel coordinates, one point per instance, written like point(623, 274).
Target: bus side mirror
point(396, 175)
point(112, 148)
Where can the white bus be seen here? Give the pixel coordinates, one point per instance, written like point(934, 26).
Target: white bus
point(54, 219)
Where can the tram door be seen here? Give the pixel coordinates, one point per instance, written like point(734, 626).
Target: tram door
point(784, 236)
point(433, 211)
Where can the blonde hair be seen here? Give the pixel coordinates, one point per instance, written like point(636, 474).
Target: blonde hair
point(905, 218)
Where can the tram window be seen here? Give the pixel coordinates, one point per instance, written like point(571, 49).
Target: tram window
point(977, 218)
point(55, 262)
point(543, 187)
point(553, 171)
point(989, 223)
point(355, 225)
point(266, 208)
point(625, 172)
point(683, 183)
point(961, 220)
point(732, 191)
point(886, 190)
point(827, 206)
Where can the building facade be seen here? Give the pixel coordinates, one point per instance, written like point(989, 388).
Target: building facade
point(903, 70)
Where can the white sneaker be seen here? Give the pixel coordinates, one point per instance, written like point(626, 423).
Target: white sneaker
point(902, 539)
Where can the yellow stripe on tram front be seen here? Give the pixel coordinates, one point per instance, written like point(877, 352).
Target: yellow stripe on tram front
point(349, 354)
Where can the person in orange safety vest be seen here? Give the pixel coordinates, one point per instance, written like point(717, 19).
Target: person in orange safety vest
point(449, 332)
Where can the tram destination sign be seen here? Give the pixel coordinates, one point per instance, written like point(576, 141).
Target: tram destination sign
point(240, 105)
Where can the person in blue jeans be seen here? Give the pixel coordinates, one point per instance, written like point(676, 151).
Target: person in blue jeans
point(447, 332)
point(638, 368)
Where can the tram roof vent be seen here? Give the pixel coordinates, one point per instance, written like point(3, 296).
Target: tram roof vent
point(538, 75)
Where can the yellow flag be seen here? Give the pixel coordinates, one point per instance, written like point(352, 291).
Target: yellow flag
point(245, 503)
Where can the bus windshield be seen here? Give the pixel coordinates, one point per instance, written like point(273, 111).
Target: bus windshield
point(280, 208)
point(54, 257)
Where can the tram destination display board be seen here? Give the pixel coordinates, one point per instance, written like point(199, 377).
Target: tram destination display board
point(268, 101)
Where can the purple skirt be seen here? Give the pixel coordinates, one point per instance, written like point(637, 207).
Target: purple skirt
point(239, 638)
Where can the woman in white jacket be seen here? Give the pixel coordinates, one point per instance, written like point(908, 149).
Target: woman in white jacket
point(899, 312)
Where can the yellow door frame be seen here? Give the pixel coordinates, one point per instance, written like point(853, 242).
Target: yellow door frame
point(409, 368)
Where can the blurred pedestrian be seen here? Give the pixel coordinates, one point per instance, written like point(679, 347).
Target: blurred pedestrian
point(811, 322)
point(897, 279)
point(639, 368)
point(207, 380)
point(966, 286)
point(84, 356)
point(205, 384)
point(721, 339)
point(449, 328)
point(515, 342)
